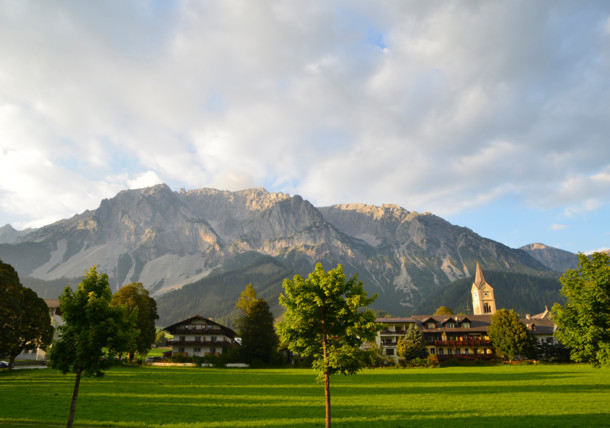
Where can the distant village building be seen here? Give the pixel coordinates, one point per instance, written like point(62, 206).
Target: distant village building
point(199, 336)
point(461, 336)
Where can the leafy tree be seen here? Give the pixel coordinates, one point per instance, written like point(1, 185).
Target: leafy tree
point(26, 324)
point(584, 321)
point(90, 325)
point(443, 310)
point(509, 335)
point(136, 299)
point(323, 320)
point(412, 345)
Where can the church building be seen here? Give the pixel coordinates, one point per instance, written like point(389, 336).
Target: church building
point(483, 301)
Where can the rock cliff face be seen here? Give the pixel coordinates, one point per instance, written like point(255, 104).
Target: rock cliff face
point(167, 239)
point(553, 258)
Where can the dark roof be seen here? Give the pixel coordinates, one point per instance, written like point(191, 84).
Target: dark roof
point(395, 319)
point(226, 330)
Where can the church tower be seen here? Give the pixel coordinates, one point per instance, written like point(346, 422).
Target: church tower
point(483, 301)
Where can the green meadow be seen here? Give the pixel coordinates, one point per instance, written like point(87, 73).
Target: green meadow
point(527, 395)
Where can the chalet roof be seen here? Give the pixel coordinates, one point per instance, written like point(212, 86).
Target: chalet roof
point(225, 330)
point(396, 320)
point(52, 303)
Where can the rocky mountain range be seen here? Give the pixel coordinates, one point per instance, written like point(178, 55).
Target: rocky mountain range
point(196, 250)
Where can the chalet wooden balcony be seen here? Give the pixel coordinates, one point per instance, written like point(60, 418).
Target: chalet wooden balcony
point(465, 342)
point(220, 343)
point(196, 332)
point(392, 332)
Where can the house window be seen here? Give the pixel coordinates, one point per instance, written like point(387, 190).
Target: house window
point(450, 325)
point(182, 339)
point(389, 352)
point(197, 338)
point(458, 351)
point(466, 324)
point(432, 351)
point(213, 338)
point(441, 351)
point(181, 350)
point(465, 351)
point(196, 350)
point(431, 325)
point(449, 351)
point(212, 350)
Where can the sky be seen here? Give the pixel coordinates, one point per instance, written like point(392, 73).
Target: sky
point(494, 115)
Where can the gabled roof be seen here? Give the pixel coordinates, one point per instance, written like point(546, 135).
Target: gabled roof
point(395, 320)
point(225, 330)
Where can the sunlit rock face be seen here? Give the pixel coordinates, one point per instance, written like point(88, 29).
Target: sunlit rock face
point(168, 239)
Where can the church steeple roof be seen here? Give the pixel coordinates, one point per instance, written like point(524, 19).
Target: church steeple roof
point(479, 279)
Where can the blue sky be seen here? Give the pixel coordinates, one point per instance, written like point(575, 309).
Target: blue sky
point(490, 114)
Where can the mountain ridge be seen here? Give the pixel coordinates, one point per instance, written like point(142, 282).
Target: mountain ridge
point(167, 240)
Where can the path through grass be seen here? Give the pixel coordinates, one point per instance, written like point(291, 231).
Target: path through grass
point(567, 395)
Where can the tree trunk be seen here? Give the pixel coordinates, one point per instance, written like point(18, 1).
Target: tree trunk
point(74, 396)
point(326, 382)
point(327, 395)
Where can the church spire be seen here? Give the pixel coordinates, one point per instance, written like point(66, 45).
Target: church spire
point(479, 279)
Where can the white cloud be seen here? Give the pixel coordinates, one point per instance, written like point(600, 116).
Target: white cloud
point(557, 226)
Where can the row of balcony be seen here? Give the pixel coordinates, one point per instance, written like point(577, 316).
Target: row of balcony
point(452, 343)
point(199, 343)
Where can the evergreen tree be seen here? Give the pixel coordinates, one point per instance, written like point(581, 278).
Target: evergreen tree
point(258, 338)
point(413, 345)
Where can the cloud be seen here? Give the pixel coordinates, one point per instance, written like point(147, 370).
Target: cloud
point(434, 106)
point(558, 226)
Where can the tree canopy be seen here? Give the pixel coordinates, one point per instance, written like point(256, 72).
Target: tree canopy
point(510, 336)
point(26, 323)
point(583, 323)
point(90, 326)
point(443, 310)
point(137, 301)
point(324, 321)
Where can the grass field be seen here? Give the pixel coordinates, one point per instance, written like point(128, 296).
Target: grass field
point(542, 395)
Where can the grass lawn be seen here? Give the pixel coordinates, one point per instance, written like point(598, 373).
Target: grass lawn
point(542, 395)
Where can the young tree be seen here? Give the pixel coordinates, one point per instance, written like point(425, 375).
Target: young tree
point(26, 323)
point(90, 325)
point(509, 335)
point(583, 324)
point(323, 320)
point(136, 299)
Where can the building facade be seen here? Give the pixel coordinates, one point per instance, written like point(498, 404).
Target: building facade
point(461, 336)
point(199, 336)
